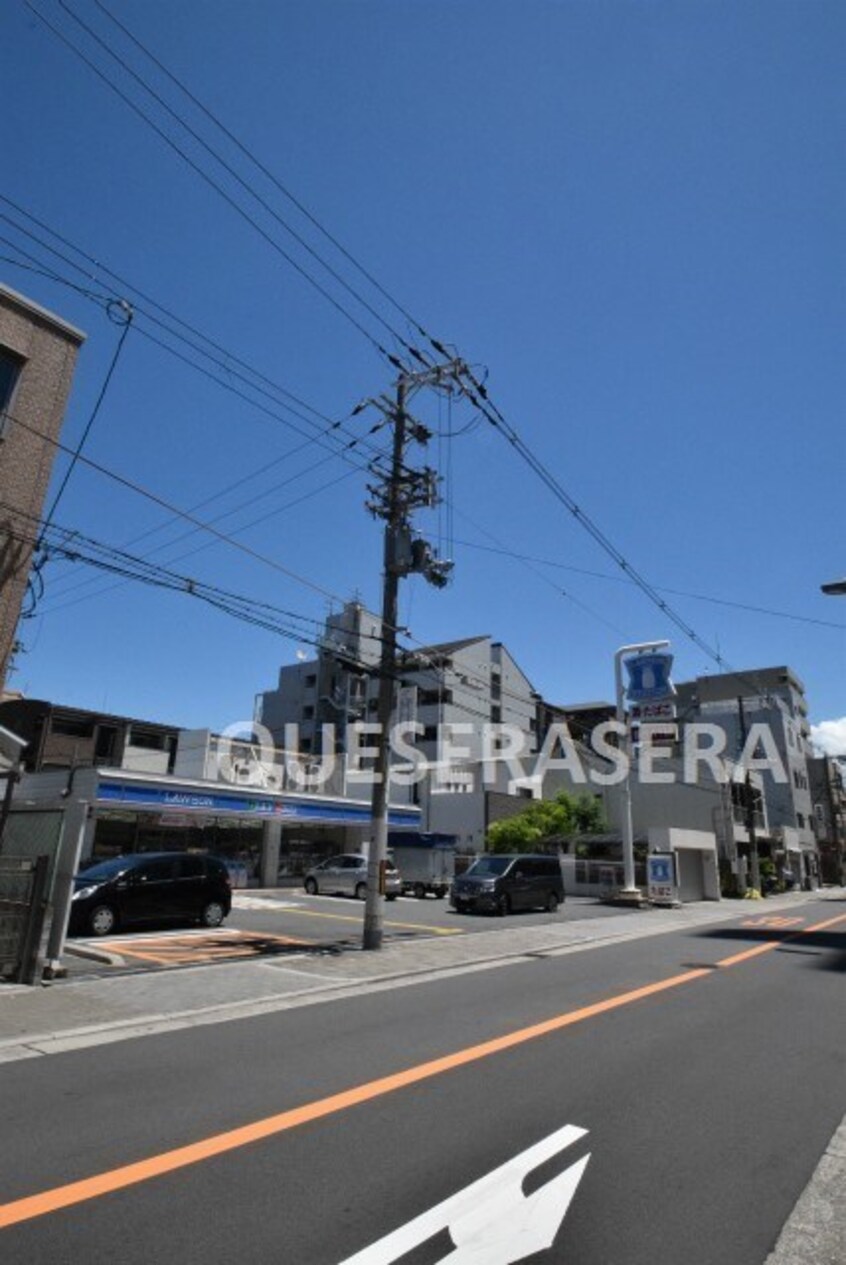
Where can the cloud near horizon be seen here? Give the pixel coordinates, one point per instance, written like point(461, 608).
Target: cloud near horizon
point(829, 736)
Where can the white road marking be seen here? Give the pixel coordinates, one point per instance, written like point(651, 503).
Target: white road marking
point(491, 1222)
point(262, 902)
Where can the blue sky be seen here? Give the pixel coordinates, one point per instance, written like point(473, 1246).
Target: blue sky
point(632, 214)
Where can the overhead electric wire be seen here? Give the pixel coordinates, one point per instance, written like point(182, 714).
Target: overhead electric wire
point(530, 563)
point(489, 410)
point(163, 503)
point(618, 579)
point(209, 180)
point(60, 491)
point(192, 132)
point(265, 171)
point(75, 547)
point(223, 358)
point(64, 604)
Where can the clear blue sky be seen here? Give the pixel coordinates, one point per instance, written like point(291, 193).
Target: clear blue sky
point(632, 213)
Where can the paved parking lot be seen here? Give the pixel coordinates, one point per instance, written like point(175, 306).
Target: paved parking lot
point(289, 922)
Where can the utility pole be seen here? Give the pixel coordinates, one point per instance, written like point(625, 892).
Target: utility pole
point(749, 804)
point(400, 491)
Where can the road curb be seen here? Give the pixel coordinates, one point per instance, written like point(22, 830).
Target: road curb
point(95, 955)
point(815, 1231)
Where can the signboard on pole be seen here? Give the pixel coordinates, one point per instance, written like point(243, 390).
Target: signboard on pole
point(662, 878)
point(649, 677)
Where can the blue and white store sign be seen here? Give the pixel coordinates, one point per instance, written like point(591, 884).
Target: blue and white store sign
point(661, 878)
point(649, 677)
point(188, 799)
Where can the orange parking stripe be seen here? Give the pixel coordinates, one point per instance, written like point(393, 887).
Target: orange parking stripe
point(48, 1201)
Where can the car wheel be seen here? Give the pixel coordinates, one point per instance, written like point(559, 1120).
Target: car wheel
point(361, 891)
point(213, 914)
point(392, 896)
point(552, 902)
point(102, 920)
point(419, 891)
point(311, 886)
point(503, 906)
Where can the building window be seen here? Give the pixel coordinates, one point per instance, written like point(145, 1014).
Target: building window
point(311, 679)
point(10, 371)
point(147, 739)
point(308, 713)
point(72, 727)
point(800, 821)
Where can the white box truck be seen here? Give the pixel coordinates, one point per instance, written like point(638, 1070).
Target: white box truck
point(426, 863)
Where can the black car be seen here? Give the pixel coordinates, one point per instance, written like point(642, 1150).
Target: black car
point(501, 884)
point(150, 887)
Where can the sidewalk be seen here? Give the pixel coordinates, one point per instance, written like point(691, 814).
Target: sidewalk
point(94, 1010)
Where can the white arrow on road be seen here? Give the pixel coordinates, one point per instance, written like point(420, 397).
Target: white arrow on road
point(492, 1222)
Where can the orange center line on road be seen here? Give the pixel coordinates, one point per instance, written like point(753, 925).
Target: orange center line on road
point(31, 1206)
point(776, 944)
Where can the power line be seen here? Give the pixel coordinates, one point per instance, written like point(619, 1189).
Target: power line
point(153, 497)
point(126, 315)
point(265, 171)
point(178, 118)
point(190, 553)
point(532, 565)
point(222, 358)
point(616, 579)
point(208, 179)
point(75, 547)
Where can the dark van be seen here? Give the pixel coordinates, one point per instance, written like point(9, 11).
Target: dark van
point(150, 887)
point(502, 884)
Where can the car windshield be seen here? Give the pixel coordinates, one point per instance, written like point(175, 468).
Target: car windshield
point(489, 866)
point(103, 870)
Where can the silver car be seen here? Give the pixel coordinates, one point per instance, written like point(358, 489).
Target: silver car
point(346, 875)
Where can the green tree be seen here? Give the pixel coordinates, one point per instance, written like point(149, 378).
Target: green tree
point(545, 820)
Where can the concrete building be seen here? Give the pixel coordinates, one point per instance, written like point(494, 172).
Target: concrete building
point(470, 682)
point(772, 697)
point(125, 786)
point(37, 359)
point(60, 737)
point(828, 792)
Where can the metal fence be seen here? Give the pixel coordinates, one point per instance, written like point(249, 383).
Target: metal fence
point(23, 906)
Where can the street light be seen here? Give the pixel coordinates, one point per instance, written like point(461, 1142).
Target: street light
point(837, 588)
point(630, 893)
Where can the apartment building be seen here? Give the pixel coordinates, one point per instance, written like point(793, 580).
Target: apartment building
point(37, 359)
point(464, 684)
point(773, 697)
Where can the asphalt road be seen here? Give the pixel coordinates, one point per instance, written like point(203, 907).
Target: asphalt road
point(705, 1067)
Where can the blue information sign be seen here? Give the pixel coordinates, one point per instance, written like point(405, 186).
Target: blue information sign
point(649, 678)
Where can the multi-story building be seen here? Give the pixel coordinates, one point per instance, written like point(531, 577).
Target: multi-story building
point(457, 692)
point(138, 786)
point(469, 682)
point(774, 698)
point(828, 792)
point(59, 737)
point(37, 358)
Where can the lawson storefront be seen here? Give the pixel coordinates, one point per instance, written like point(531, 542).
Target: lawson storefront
point(276, 836)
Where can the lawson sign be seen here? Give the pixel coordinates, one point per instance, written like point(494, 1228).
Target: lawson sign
point(186, 800)
point(649, 678)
